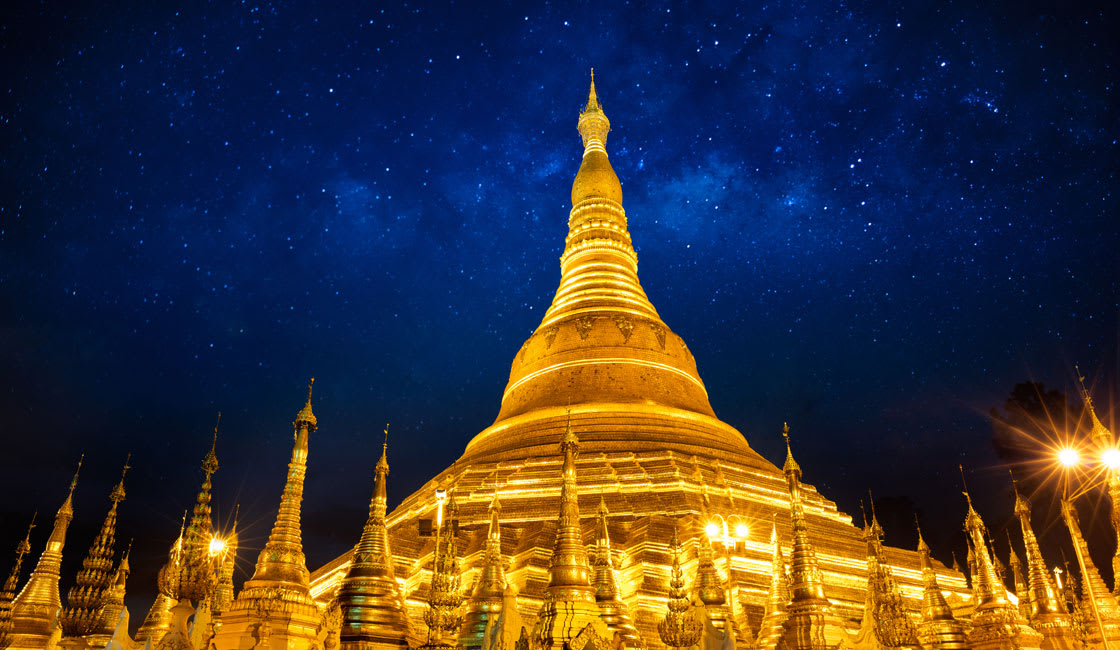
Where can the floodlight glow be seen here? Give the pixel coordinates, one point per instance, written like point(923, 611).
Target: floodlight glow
point(1111, 458)
point(1069, 457)
point(741, 531)
point(712, 529)
point(217, 545)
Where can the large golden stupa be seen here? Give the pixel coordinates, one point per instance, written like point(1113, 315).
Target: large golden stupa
point(652, 454)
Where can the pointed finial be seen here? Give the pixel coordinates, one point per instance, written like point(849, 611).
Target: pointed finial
point(74, 481)
point(863, 513)
point(118, 493)
point(921, 540)
point(964, 483)
point(306, 414)
point(790, 464)
point(25, 546)
point(602, 506)
point(310, 386)
point(592, 97)
point(383, 462)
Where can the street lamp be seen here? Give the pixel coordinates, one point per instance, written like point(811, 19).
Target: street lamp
point(1090, 478)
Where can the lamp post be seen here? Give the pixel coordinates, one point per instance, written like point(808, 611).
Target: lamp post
point(729, 532)
point(1090, 478)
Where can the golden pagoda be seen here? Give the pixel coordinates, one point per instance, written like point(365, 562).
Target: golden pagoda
point(114, 599)
point(1046, 612)
point(36, 609)
point(651, 447)
point(485, 603)
point(1103, 439)
point(158, 620)
point(886, 623)
point(938, 629)
point(772, 628)
point(275, 607)
point(8, 593)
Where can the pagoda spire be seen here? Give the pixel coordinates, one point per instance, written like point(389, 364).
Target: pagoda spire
point(571, 604)
point(280, 587)
point(885, 614)
point(485, 604)
point(810, 624)
point(443, 592)
point(86, 599)
point(774, 616)
point(1104, 440)
point(996, 622)
point(1092, 586)
point(612, 610)
point(223, 592)
point(158, 620)
point(8, 594)
point(114, 599)
point(938, 628)
point(369, 595)
point(679, 628)
point(1022, 590)
point(35, 608)
point(1046, 610)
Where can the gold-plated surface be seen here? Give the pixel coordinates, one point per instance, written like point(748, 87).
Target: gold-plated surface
point(485, 604)
point(810, 622)
point(8, 593)
point(1046, 612)
point(570, 606)
point(443, 593)
point(886, 622)
point(82, 615)
point(938, 629)
point(996, 622)
point(275, 605)
point(369, 597)
point(649, 445)
point(1100, 602)
point(114, 599)
point(223, 591)
point(680, 628)
point(772, 628)
point(1103, 439)
point(38, 604)
point(611, 608)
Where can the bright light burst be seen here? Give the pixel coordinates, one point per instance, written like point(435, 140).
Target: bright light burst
point(1068, 457)
point(217, 545)
point(1111, 458)
point(712, 529)
point(741, 531)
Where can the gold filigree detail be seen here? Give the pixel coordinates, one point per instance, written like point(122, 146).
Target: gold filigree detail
point(550, 336)
point(583, 326)
point(659, 332)
point(625, 325)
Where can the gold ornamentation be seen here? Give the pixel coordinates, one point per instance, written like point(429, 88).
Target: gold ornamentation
point(625, 325)
point(10, 585)
point(679, 628)
point(659, 332)
point(550, 336)
point(583, 326)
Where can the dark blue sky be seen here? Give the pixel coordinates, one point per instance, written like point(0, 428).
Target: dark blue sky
point(867, 219)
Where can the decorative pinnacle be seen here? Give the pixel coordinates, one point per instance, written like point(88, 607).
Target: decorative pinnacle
point(74, 481)
point(25, 546)
point(305, 414)
point(791, 465)
point(118, 493)
point(569, 440)
point(922, 546)
point(383, 462)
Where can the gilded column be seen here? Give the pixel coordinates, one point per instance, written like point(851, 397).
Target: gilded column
point(996, 622)
point(810, 625)
point(369, 596)
point(275, 605)
point(938, 629)
point(1047, 613)
point(485, 604)
point(612, 610)
point(86, 600)
point(8, 594)
point(36, 608)
point(772, 629)
point(443, 593)
point(570, 605)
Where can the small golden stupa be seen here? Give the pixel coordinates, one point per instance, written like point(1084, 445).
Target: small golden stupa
point(602, 364)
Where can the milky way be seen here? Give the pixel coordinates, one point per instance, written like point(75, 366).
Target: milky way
point(866, 220)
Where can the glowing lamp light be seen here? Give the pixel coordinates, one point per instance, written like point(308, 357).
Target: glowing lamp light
point(1111, 458)
point(217, 545)
point(1069, 457)
point(741, 531)
point(712, 529)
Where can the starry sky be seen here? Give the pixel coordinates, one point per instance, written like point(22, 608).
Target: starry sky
point(871, 219)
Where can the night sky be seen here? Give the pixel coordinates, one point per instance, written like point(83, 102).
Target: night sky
point(869, 220)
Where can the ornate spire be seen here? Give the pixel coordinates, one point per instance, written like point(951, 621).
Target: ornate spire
point(114, 599)
point(1022, 592)
point(938, 629)
point(1098, 431)
point(485, 604)
point(443, 593)
point(679, 628)
point(35, 608)
point(1092, 586)
point(810, 625)
point(1044, 605)
point(8, 594)
point(777, 596)
point(806, 581)
point(995, 621)
point(885, 613)
point(281, 563)
point(612, 610)
point(197, 576)
point(369, 595)
point(86, 599)
point(571, 605)
point(158, 620)
point(568, 578)
point(1104, 440)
